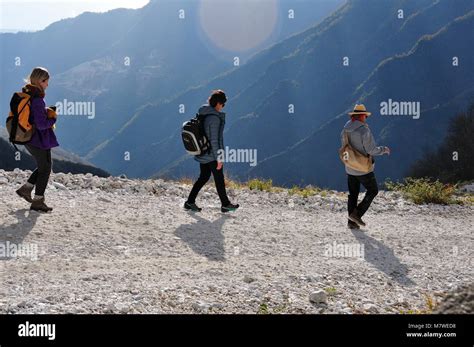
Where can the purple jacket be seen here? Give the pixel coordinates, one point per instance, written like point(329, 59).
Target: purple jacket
point(44, 136)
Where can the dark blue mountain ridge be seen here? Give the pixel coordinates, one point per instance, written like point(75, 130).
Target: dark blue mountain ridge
point(86, 56)
point(306, 70)
point(442, 90)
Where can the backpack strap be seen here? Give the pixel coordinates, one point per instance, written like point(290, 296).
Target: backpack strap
point(211, 114)
point(201, 117)
point(345, 138)
point(15, 113)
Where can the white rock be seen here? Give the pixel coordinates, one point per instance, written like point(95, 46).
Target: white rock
point(468, 188)
point(370, 307)
point(200, 307)
point(318, 297)
point(347, 310)
point(59, 185)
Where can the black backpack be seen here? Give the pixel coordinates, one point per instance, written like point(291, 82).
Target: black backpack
point(194, 137)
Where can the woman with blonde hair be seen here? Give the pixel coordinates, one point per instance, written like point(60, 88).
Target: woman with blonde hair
point(43, 139)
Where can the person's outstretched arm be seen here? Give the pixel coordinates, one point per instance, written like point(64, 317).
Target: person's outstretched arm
point(370, 146)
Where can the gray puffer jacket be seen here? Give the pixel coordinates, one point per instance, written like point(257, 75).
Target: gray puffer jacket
point(214, 129)
point(361, 139)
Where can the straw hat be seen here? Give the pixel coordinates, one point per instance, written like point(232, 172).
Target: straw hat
point(360, 109)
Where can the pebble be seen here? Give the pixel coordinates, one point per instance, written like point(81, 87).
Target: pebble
point(200, 307)
point(370, 307)
point(249, 279)
point(59, 185)
point(318, 297)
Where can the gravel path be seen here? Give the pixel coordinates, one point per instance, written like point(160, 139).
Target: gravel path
point(124, 246)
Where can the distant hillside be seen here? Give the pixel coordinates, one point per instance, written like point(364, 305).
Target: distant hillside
point(365, 51)
point(58, 152)
point(453, 160)
point(124, 59)
point(407, 59)
point(425, 74)
point(26, 162)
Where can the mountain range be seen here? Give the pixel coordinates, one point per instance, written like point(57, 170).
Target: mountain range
point(124, 59)
point(390, 58)
point(288, 101)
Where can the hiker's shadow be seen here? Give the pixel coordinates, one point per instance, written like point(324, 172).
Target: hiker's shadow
point(204, 237)
point(15, 233)
point(383, 258)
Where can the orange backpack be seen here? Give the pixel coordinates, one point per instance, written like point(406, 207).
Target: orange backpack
point(18, 121)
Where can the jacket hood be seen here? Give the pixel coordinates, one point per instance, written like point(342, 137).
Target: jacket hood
point(208, 109)
point(352, 126)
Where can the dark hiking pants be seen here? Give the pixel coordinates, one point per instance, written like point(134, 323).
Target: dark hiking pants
point(44, 163)
point(206, 170)
point(370, 183)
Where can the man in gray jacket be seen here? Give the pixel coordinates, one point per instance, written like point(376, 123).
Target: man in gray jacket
point(214, 122)
point(361, 139)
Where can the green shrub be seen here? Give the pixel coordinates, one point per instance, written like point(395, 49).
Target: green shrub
point(263, 308)
point(430, 305)
point(425, 191)
point(233, 184)
point(331, 291)
point(262, 185)
point(304, 192)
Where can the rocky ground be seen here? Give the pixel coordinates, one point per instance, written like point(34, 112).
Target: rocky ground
point(114, 245)
point(458, 301)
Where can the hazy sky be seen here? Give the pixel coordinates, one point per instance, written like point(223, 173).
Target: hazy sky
point(38, 14)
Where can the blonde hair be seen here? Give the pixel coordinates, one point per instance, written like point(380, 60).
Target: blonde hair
point(37, 75)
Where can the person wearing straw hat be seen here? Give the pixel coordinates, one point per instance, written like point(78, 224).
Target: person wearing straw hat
point(356, 134)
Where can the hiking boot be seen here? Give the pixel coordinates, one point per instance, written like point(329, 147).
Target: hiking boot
point(25, 192)
point(354, 216)
point(40, 206)
point(230, 207)
point(192, 207)
point(352, 225)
